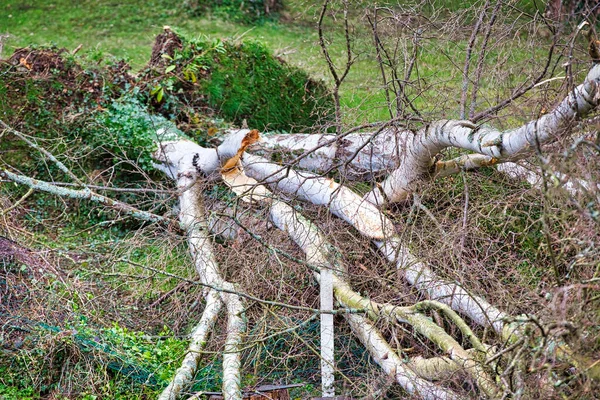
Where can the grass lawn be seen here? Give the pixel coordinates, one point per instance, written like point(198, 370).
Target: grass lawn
point(127, 30)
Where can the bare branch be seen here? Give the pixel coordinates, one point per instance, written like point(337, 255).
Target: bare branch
point(465, 82)
point(480, 61)
point(84, 194)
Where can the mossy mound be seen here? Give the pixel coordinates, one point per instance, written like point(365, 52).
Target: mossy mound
point(49, 94)
point(98, 108)
point(235, 81)
point(94, 115)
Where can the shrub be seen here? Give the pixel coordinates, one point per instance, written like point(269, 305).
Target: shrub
point(238, 81)
point(127, 131)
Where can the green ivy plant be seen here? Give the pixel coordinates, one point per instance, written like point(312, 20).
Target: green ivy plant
point(129, 132)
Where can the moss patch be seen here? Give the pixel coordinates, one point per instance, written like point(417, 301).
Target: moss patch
point(236, 81)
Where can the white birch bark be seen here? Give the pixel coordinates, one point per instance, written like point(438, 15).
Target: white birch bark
point(483, 140)
point(370, 221)
point(355, 156)
point(343, 203)
point(450, 293)
point(285, 219)
point(325, 259)
point(390, 362)
point(340, 200)
point(327, 334)
point(318, 253)
point(411, 154)
point(368, 155)
point(185, 374)
point(308, 238)
point(365, 217)
point(192, 219)
point(182, 160)
point(573, 186)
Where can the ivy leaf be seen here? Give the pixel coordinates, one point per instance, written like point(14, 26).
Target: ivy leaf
point(191, 76)
point(155, 90)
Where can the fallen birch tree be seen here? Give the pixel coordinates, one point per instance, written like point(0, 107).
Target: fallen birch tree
point(249, 176)
point(411, 155)
point(461, 332)
point(414, 163)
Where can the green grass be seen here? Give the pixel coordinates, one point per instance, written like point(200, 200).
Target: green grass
point(124, 30)
point(127, 30)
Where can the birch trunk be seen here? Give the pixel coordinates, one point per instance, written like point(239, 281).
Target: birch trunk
point(185, 374)
point(318, 253)
point(372, 223)
point(410, 155)
point(327, 334)
point(182, 164)
point(325, 259)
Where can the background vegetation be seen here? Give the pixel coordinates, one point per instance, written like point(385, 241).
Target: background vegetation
point(97, 306)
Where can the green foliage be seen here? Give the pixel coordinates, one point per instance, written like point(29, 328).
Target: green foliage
point(248, 82)
point(244, 81)
point(129, 132)
point(147, 361)
point(140, 353)
point(53, 100)
point(59, 101)
point(12, 388)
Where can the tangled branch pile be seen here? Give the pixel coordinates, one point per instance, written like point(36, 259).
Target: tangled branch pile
point(483, 286)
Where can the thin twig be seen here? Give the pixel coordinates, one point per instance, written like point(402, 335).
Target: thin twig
point(241, 294)
point(494, 109)
point(378, 46)
point(465, 82)
point(338, 79)
point(480, 61)
point(45, 152)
